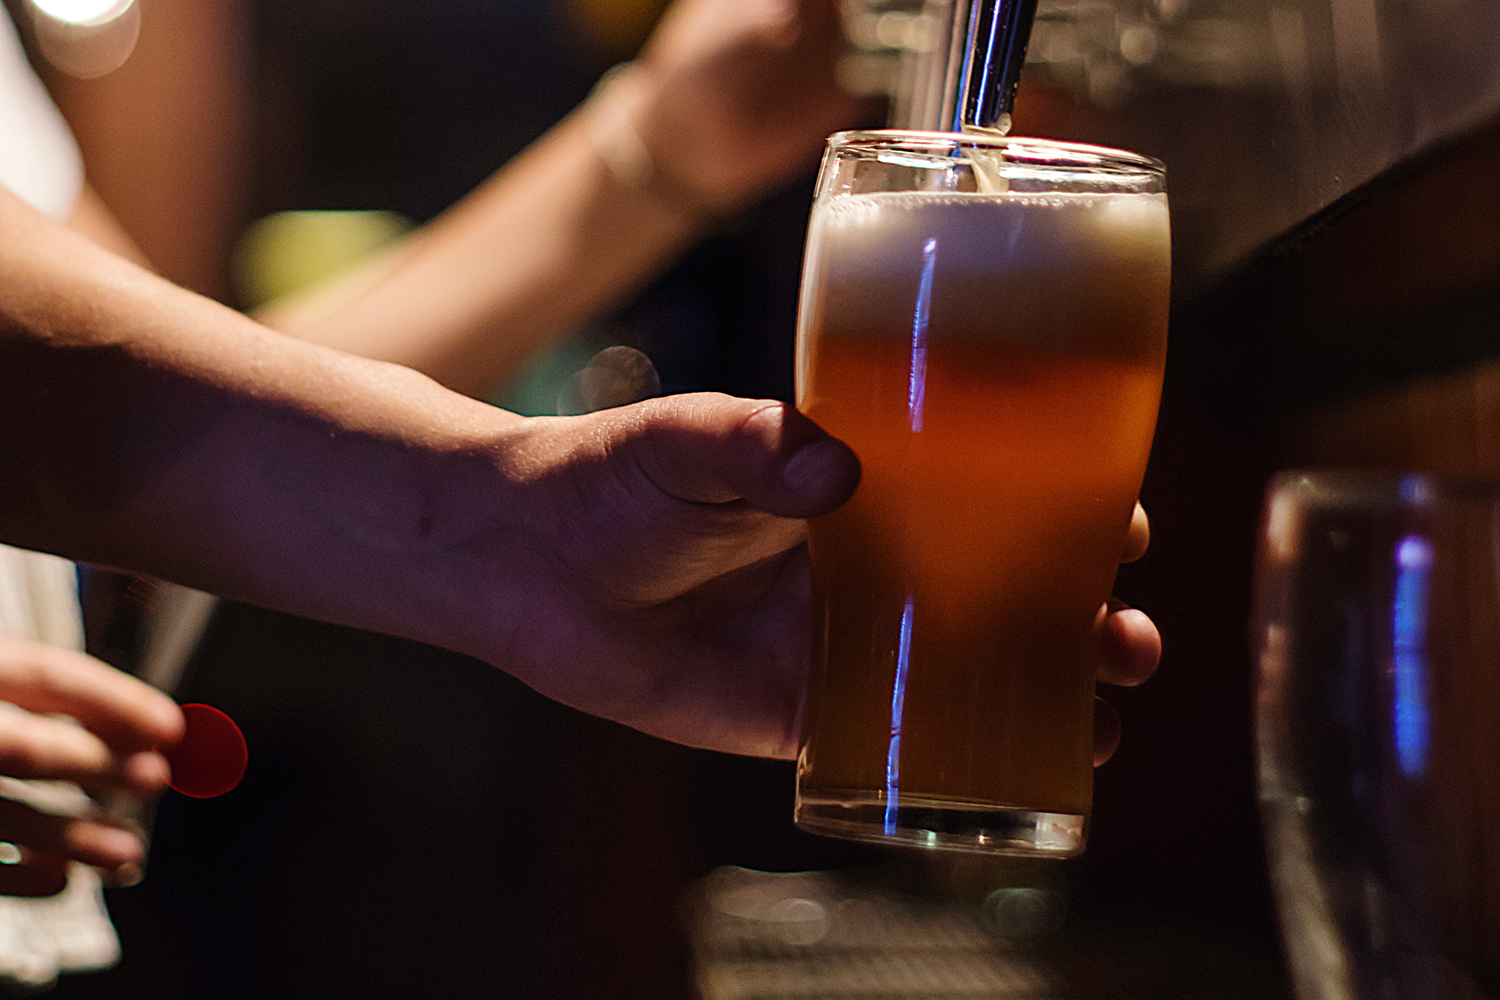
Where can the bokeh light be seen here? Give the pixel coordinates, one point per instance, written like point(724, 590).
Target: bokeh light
point(89, 12)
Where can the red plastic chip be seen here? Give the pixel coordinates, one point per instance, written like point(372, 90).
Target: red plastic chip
point(211, 757)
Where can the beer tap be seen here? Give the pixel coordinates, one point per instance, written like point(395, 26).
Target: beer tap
point(991, 56)
point(967, 82)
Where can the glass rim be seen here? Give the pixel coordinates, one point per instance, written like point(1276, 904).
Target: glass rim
point(1018, 149)
point(1336, 486)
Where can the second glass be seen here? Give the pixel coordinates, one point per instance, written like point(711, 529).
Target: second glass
point(1377, 640)
point(984, 321)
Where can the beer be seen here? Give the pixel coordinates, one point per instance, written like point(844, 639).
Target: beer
point(995, 360)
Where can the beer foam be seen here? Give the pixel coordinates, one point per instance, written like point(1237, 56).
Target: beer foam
point(1006, 232)
point(1052, 271)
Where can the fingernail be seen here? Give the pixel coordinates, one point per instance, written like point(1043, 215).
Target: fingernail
point(807, 467)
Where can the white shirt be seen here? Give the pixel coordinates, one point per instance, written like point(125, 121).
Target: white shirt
point(39, 161)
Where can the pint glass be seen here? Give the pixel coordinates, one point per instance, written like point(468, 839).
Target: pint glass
point(983, 320)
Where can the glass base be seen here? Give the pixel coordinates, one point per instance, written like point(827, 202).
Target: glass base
point(939, 825)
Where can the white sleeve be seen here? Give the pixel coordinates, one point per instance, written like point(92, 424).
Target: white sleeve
point(39, 161)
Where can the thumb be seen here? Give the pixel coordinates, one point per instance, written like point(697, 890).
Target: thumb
point(712, 448)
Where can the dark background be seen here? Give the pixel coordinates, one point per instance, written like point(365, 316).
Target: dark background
point(416, 824)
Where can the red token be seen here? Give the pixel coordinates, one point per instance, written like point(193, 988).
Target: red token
point(211, 757)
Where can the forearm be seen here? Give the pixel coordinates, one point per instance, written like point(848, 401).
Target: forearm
point(549, 241)
point(145, 427)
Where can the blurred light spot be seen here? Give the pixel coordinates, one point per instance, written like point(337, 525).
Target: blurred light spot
point(90, 12)
point(290, 251)
point(904, 30)
point(774, 909)
point(86, 38)
point(799, 922)
point(1108, 84)
point(1058, 831)
point(616, 376)
point(867, 73)
point(1139, 44)
point(1415, 489)
point(1283, 524)
point(1023, 913)
point(1414, 552)
point(10, 854)
point(1055, 42)
point(1409, 653)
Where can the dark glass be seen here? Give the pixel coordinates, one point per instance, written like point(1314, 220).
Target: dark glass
point(1378, 697)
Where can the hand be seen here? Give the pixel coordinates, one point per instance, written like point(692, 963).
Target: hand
point(109, 749)
point(663, 583)
point(660, 578)
point(741, 94)
point(1129, 645)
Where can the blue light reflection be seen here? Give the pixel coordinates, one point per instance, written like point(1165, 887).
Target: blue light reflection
point(898, 705)
point(916, 393)
point(1409, 720)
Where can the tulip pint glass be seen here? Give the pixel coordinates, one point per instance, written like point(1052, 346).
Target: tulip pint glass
point(984, 321)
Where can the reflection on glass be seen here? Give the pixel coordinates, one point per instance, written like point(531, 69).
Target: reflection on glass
point(898, 707)
point(1408, 653)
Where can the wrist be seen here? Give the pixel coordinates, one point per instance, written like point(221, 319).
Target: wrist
point(614, 113)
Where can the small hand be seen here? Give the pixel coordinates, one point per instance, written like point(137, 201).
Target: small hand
point(743, 93)
point(106, 745)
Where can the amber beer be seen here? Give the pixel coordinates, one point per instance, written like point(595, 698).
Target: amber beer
point(995, 359)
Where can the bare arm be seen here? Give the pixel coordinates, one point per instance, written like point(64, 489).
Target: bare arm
point(642, 564)
point(551, 240)
point(728, 98)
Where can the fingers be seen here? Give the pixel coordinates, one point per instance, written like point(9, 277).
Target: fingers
point(1106, 731)
point(50, 748)
point(1138, 538)
point(28, 872)
point(90, 838)
point(65, 716)
point(1129, 652)
point(124, 713)
point(708, 448)
point(1129, 644)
